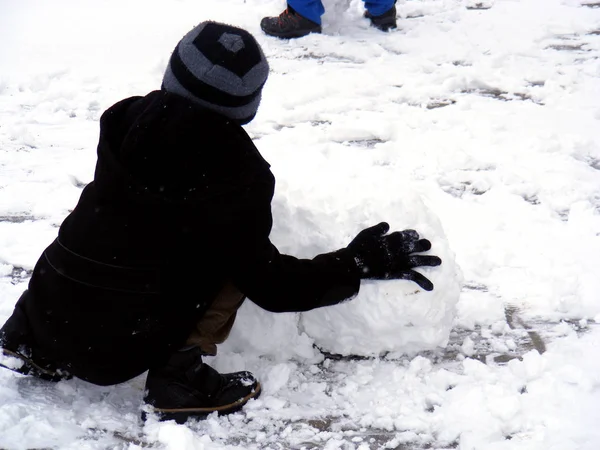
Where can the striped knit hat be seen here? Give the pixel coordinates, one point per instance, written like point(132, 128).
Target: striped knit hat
point(220, 67)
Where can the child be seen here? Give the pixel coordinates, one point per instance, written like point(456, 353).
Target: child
point(166, 242)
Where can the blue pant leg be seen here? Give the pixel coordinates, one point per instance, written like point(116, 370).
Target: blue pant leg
point(311, 9)
point(378, 7)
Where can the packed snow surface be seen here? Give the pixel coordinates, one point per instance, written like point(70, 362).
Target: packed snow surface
point(477, 123)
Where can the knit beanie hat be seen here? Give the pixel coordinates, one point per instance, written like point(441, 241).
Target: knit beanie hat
point(220, 67)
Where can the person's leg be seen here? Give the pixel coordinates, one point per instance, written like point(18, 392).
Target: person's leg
point(214, 327)
point(18, 351)
point(301, 17)
point(186, 387)
point(381, 13)
point(310, 9)
point(379, 7)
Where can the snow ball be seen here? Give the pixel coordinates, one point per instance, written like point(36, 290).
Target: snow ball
point(468, 347)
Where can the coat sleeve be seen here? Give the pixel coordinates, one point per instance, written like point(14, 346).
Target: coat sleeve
point(283, 283)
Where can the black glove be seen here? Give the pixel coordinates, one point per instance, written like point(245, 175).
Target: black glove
point(385, 257)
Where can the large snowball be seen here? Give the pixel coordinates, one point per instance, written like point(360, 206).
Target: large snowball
point(395, 315)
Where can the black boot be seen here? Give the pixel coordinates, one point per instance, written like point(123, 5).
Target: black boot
point(289, 24)
point(186, 387)
point(384, 22)
point(19, 353)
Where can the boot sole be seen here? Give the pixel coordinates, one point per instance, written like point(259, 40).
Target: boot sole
point(181, 415)
point(30, 368)
point(292, 35)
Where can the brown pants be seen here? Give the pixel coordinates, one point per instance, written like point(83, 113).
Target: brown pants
point(215, 325)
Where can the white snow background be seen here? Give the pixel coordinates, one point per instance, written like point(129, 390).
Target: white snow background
point(476, 123)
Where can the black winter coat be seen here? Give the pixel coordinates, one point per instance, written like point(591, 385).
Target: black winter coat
point(179, 204)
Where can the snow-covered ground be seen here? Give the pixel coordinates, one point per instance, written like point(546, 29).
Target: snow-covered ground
point(477, 123)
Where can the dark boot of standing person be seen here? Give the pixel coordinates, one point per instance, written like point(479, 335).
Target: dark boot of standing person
point(385, 21)
point(289, 24)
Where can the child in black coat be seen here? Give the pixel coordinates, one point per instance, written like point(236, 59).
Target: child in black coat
point(172, 235)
